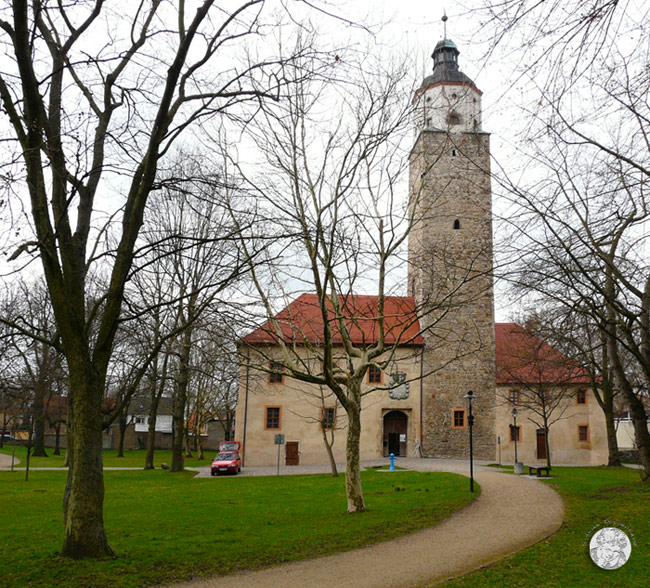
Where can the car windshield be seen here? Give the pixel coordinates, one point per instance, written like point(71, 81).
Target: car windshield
point(225, 456)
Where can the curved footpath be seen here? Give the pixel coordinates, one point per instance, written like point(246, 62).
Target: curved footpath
point(5, 461)
point(510, 514)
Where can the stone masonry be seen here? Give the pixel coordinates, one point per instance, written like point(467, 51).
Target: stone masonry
point(450, 276)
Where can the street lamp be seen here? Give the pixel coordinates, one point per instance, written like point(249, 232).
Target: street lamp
point(515, 433)
point(470, 421)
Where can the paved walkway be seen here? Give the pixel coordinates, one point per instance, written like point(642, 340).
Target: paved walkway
point(510, 514)
point(5, 461)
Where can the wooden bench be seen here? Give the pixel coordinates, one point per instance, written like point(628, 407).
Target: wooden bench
point(537, 470)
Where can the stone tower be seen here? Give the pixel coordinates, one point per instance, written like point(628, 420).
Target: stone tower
point(450, 259)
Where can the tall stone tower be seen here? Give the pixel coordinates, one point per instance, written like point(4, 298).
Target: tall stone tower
point(450, 259)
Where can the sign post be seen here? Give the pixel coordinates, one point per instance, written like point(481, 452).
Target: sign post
point(279, 441)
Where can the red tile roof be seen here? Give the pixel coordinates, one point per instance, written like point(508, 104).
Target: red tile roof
point(523, 358)
point(520, 356)
point(302, 321)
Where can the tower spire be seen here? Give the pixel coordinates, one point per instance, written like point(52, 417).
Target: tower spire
point(444, 22)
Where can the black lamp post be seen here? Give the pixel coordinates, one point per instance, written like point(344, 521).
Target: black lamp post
point(515, 432)
point(470, 421)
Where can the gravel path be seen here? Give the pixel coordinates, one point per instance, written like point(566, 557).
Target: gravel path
point(510, 514)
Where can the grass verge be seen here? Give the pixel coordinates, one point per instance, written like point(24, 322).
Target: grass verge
point(131, 459)
point(594, 498)
point(167, 527)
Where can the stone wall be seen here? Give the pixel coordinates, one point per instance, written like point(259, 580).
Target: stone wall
point(450, 276)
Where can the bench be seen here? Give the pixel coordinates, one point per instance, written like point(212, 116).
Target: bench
point(537, 470)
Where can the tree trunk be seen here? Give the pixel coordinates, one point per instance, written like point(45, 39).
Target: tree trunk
point(57, 439)
point(199, 448)
point(84, 494)
point(637, 410)
point(330, 454)
point(614, 458)
point(180, 400)
point(188, 448)
point(39, 420)
point(122, 424)
point(151, 431)
point(352, 466)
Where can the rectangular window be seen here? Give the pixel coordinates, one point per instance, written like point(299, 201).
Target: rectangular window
point(459, 418)
point(328, 418)
point(374, 375)
point(513, 397)
point(515, 433)
point(583, 433)
point(276, 375)
point(272, 417)
point(581, 397)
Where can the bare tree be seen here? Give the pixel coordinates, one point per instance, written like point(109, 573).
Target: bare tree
point(92, 93)
point(331, 188)
point(579, 211)
point(545, 378)
point(583, 340)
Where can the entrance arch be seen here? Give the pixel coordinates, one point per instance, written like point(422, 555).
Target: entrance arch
point(395, 428)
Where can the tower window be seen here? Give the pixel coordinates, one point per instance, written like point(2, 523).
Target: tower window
point(453, 118)
point(428, 122)
point(456, 224)
point(458, 418)
point(454, 96)
point(453, 153)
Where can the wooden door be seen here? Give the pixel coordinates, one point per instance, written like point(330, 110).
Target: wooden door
point(541, 444)
point(292, 454)
point(395, 428)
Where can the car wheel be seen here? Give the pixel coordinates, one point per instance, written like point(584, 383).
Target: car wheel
point(239, 470)
point(213, 473)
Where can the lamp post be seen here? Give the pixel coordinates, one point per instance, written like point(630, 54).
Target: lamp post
point(515, 433)
point(470, 421)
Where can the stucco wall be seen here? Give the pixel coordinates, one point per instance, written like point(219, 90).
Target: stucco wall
point(300, 414)
point(563, 435)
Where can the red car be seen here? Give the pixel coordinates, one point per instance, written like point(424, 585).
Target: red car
point(227, 460)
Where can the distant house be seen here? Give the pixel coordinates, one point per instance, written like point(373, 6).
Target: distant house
point(138, 424)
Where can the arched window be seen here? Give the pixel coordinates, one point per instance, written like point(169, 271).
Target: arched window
point(456, 224)
point(453, 153)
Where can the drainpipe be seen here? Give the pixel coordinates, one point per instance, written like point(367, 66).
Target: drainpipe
point(248, 363)
point(421, 410)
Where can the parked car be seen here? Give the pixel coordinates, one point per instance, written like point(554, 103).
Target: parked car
point(227, 461)
point(7, 437)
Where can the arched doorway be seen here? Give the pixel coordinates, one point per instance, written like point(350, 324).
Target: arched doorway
point(395, 427)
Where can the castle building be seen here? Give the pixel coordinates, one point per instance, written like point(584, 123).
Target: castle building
point(449, 341)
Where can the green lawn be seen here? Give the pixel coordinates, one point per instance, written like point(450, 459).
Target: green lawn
point(594, 497)
point(131, 459)
point(167, 527)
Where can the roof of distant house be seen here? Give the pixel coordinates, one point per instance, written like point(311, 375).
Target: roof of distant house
point(521, 357)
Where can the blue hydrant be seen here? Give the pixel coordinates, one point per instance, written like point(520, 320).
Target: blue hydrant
point(392, 462)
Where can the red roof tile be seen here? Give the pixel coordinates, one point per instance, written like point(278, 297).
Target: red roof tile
point(520, 356)
point(523, 358)
point(302, 321)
